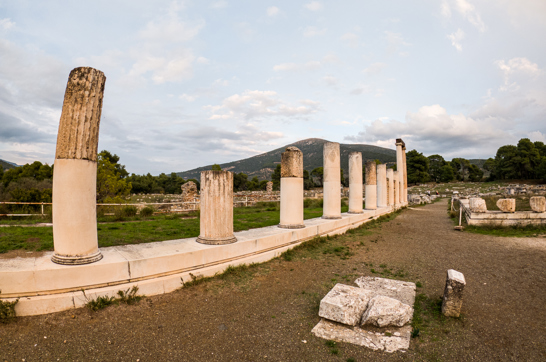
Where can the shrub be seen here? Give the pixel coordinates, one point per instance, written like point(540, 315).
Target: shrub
point(129, 211)
point(147, 211)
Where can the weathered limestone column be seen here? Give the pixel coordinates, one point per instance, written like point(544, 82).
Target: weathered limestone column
point(382, 185)
point(405, 175)
point(371, 185)
point(216, 224)
point(292, 189)
point(75, 176)
point(390, 186)
point(396, 188)
point(331, 182)
point(355, 183)
point(400, 167)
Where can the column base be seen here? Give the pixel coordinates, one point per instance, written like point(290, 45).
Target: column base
point(301, 226)
point(76, 260)
point(331, 217)
point(355, 212)
point(214, 241)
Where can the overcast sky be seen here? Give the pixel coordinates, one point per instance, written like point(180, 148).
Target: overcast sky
point(191, 83)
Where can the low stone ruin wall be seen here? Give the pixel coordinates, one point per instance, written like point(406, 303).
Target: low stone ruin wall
point(476, 214)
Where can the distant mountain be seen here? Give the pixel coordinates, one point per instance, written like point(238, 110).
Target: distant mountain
point(263, 165)
point(6, 165)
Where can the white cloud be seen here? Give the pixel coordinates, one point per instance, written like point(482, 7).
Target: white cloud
point(187, 97)
point(330, 80)
point(351, 39)
point(254, 105)
point(432, 130)
point(456, 39)
point(311, 65)
point(273, 11)
point(394, 41)
point(446, 9)
point(219, 4)
point(6, 24)
point(311, 31)
point(314, 6)
point(468, 11)
point(374, 68)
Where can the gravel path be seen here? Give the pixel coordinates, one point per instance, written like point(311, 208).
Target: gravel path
point(267, 312)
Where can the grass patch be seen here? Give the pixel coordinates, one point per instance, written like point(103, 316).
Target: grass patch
point(428, 321)
point(128, 296)
point(7, 310)
point(511, 231)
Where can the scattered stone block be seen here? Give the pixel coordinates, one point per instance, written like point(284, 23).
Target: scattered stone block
point(477, 204)
point(453, 294)
point(507, 205)
point(345, 304)
point(538, 203)
point(390, 340)
point(396, 289)
point(384, 311)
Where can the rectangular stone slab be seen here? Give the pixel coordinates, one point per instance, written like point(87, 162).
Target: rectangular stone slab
point(371, 338)
point(396, 289)
point(345, 304)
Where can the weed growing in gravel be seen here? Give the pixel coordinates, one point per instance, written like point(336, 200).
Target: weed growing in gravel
point(7, 310)
point(128, 296)
point(194, 280)
point(333, 347)
point(428, 319)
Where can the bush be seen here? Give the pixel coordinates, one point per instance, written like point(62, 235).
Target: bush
point(313, 203)
point(129, 211)
point(147, 211)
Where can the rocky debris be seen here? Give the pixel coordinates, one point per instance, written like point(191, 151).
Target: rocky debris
point(477, 204)
point(397, 289)
point(390, 340)
point(378, 302)
point(384, 311)
point(345, 304)
point(507, 205)
point(189, 191)
point(538, 203)
point(453, 294)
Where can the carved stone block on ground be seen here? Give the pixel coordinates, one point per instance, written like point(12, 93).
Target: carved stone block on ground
point(389, 340)
point(396, 289)
point(538, 203)
point(507, 205)
point(477, 204)
point(453, 294)
point(345, 304)
point(384, 311)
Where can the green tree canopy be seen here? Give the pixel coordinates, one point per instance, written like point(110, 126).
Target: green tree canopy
point(436, 162)
point(216, 167)
point(111, 186)
point(417, 166)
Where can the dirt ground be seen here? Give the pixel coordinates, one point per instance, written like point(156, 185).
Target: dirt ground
point(266, 313)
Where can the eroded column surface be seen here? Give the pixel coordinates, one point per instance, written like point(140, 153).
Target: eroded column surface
point(371, 185)
point(216, 224)
point(291, 189)
point(355, 183)
point(331, 181)
point(400, 167)
point(382, 185)
point(390, 187)
point(75, 172)
point(396, 188)
point(405, 198)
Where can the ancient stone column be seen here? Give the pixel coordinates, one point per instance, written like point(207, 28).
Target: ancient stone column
point(382, 185)
point(75, 176)
point(292, 189)
point(453, 294)
point(396, 188)
point(371, 185)
point(400, 167)
point(216, 224)
point(405, 185)
point(355, 183)
point(331, 182)
point(390, 186)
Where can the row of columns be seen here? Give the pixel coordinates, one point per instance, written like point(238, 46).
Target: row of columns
point(74, 181)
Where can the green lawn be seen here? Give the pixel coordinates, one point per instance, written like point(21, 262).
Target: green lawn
point(134, 230)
